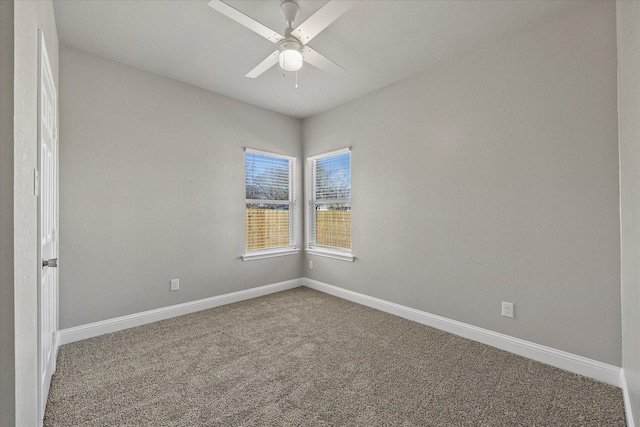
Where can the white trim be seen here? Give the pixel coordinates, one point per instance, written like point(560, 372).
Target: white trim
point(56, 347)
point(290, 203)
point(312, 202)
point(330, 153)
point(90, 330)
point(570, 362)
point(267, 153)
point(331, 201)
point(250, 256)
point(267, 202)
point(561, 359)
point(331, 254)
point(628, 408)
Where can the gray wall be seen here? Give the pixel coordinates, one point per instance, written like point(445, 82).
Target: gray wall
point(28, 17)
point(7, 346)
point(490, 178)
point(628, 19)
point(152, 188)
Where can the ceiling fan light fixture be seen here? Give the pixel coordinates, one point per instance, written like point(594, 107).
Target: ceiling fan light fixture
point(290, 60)
point(290, 57)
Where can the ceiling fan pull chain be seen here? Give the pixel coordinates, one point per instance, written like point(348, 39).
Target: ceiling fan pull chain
point(296, 79)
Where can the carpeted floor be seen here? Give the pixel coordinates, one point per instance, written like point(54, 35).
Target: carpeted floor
point(304, 358)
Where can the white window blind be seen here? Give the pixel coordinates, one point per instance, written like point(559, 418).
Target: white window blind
point(329, 219)
point(269, 186)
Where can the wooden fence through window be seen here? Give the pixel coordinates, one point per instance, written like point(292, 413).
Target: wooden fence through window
point(333, 228)
point(269, 228)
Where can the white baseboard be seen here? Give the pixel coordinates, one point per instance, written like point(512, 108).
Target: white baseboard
point(56, 347)
point(570, 362)
point(90, 330)
point(627, 400)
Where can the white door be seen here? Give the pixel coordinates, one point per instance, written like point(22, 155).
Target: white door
point(48, 225)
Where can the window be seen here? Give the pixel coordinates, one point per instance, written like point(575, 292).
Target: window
point(269, 187)
point(329, 209)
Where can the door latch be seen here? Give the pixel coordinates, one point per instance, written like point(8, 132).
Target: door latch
point(50, 263)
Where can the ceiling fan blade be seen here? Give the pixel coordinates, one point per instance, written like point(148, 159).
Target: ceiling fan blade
point(245, 20)
point(320, 61)
point(321, 20)
point(269, 62)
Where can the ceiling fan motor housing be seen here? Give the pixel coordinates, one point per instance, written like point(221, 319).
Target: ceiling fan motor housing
point(290, 56)
point(290, 43)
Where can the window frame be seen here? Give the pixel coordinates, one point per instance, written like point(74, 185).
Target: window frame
point(335, 252)
point(291, 248)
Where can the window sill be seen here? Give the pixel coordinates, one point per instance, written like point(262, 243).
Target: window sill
point(268, 254)
point(331, 254)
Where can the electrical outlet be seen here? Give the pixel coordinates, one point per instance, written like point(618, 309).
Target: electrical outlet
point(507, 309)
point(310, 265)
point(175, 284)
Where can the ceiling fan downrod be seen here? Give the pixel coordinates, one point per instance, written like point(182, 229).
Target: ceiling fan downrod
point(289, 9)
point(290, 56)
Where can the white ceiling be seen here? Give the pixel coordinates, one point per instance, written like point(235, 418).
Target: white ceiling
point(377, 42)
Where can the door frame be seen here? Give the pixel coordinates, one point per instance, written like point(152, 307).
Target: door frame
point(46, 367)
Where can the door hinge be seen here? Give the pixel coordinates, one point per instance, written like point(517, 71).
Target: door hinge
point(36, 182)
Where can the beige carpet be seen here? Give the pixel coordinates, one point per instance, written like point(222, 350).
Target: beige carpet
point(304, 358)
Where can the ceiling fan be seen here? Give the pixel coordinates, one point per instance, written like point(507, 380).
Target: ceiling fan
point(292, 47)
